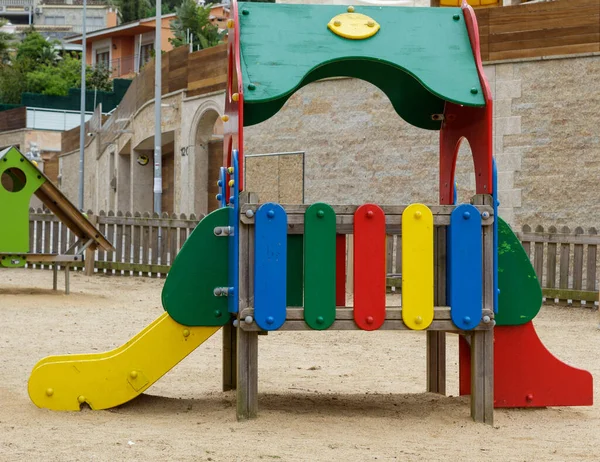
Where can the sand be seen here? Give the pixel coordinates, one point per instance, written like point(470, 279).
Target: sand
point(331, 396)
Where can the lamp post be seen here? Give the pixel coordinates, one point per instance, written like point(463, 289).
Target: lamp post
point(157, 111)
point(82, 124)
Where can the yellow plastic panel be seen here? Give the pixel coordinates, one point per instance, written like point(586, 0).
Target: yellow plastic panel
point(417, 266)
point(353, 26)
point(105, 380)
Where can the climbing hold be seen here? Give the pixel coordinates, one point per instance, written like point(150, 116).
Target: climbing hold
point(49, 392)
point(81, 399)
point(186, 333)
point(466, 215)
point(271, 214)
point(474, 91)
point(231, 183)
point(418, 214)
point(249, 213)
point(225, 118)
point(248, 319)
point(320, 213)
point(369, 320)
point(418, 320)
point(270, 319)
point(133, 374)
point(320, 320)
point(235, 97)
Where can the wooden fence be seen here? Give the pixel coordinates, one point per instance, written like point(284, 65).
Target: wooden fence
point(145, 244)
point(565, 261)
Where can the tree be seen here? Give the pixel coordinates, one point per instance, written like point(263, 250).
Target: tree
point(132, 10)
point(196, 19)
point(6, 43)
point(35, 50)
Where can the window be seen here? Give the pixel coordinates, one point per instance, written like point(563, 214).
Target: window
point(94, 21)
point(146, 52)
point(102, 58)
point(55, 20)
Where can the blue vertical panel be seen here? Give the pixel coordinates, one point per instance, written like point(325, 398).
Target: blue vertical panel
point(465, 267)
point(222, 183)
point(233, 296)
point(496, 203)
point(270, 266)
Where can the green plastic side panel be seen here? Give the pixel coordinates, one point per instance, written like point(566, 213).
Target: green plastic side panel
point(319, 266)
point(295, 270)
point(420, 57)
point(14, 206)
point(520, 297)
point(200, 267)
point(13, 261)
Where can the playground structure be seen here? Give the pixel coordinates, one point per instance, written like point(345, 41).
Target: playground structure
point(21, 179)
point(252, 268)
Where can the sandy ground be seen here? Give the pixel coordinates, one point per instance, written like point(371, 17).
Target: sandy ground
point(323, 396)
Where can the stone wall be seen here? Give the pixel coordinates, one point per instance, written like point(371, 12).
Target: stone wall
point(546, 143)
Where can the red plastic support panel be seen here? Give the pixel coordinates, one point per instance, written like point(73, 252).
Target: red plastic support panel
point(233, 126)
point(526, 374)
point(340, 270)
point(369, 267)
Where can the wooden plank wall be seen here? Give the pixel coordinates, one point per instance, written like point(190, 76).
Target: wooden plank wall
point(560, 27)
point(13, 119)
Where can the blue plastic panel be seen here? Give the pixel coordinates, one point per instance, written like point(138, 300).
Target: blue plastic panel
point(222, 196)
point(234, 239)
point(270, 266)
point(465, 267)
point(496, 204)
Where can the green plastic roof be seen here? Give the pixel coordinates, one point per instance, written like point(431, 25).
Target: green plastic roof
point(421, 57)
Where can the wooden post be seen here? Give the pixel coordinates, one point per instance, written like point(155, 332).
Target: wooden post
point(55, 276)
point(436, 340)
point(67, 279)
point(482, 342)
point(247, 342)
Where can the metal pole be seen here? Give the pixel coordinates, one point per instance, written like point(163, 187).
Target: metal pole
point(157, 111)
point(82, 124)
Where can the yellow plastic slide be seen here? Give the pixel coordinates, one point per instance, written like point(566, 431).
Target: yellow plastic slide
point(105, 380)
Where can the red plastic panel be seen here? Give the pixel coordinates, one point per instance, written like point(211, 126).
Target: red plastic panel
point(369, 267)
point(340, 270)
point(233, 128)
point(526, 374)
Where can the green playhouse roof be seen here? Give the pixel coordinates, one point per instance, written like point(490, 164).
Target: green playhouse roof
point(420, 57)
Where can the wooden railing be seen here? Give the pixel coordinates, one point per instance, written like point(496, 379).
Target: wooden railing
point(565, 261)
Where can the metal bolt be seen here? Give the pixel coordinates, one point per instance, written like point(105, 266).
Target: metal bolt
point(249, 213)
point(370, 214)
point(369, 319)
point(245, 12)
point(456, 17)
point(467, 320)
point(474, 91)
point(418, 320)
point(248, 319)
point(350, 9)
point(270, 320)
point(486, 319)
point(485, 215)
point(231, 183)
point(219, 183)
point(466, 215)
point(218, 291)
point(529, 397)
point(49, 392)
point(232, 200)
point(337, 23)
point(251, 87)
point(236, 323)
point(225, 118)
point(371, 24)
point(81, 399)
point(186, 333)
point(418, 214)
point(235, 97)
point(320, 214)
point(218, 313)
point(133, 374)
point(271, 213)
point(320, 320)
point(218, 231)
point(219, 197)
